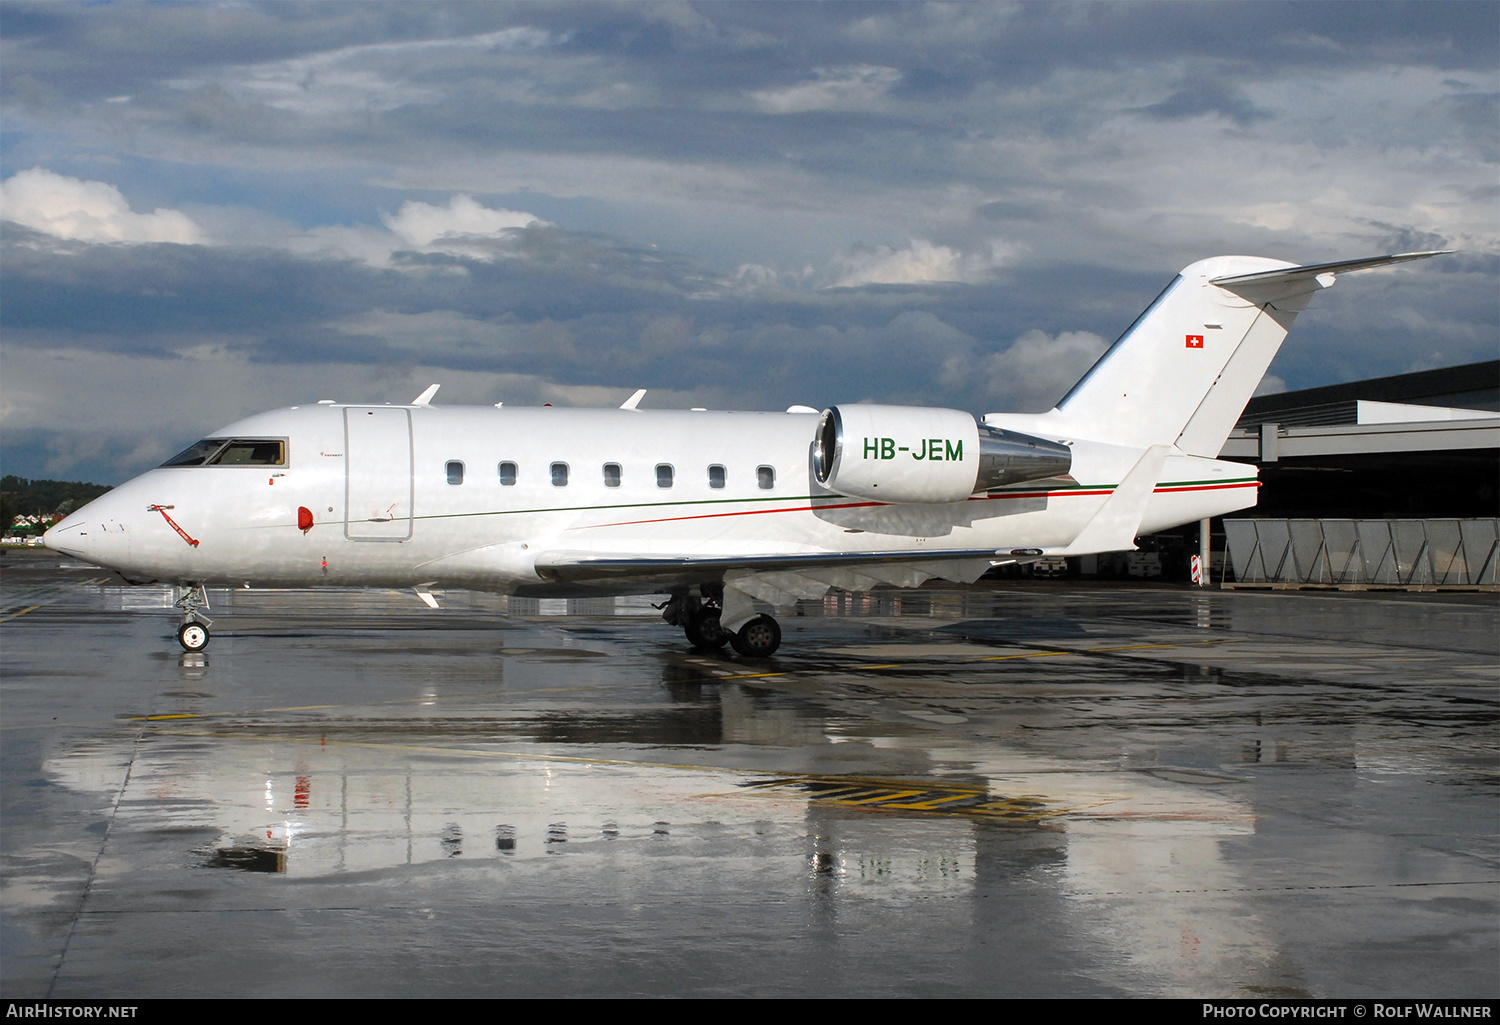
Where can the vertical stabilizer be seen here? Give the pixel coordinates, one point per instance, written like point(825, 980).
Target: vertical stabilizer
point(1183, 372)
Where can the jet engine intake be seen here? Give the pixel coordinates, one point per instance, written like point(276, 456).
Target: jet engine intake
point(914, 454)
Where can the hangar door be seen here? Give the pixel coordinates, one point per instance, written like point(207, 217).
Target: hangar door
point(377, 474)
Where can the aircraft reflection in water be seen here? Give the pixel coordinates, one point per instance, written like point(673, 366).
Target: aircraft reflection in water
point(337, 808)
point(715, 509)
point(1123, 862)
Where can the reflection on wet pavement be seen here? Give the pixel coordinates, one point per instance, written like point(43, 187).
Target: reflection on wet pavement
point(1008, 791)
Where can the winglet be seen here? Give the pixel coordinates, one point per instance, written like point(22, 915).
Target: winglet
point(1115, 525)
point(425, 399)
point(634, 400)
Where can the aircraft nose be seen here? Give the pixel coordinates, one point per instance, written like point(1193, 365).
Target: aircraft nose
point(69, 536)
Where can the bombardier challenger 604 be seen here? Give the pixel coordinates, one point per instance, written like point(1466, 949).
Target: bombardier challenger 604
point(715, 509)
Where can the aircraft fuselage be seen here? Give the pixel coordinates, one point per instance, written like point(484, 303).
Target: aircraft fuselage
point(403, 496)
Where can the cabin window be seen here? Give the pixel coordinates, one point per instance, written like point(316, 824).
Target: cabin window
point(455, 471)
point(716, 476)
point(559, 475)
point(765, 477)
point(611, 475)
point(508, 474)
point(664, 475)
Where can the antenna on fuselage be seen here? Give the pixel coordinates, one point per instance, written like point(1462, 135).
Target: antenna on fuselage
point(634, 400)
point(425, 399)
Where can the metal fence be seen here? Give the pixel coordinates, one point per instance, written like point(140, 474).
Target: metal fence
point(1434, 553)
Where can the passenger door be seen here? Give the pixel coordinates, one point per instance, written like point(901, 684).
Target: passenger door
point(377, 473)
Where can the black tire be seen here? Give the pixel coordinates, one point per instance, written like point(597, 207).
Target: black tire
point(758, 638)
point(704, 631)
point(192, 636)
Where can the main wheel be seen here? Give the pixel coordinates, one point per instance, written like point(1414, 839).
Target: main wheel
point(193, 636)
point(704, 631)
point(758, 638)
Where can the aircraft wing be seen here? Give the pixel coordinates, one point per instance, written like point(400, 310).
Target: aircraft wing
point(780, 579)
point(580, 567)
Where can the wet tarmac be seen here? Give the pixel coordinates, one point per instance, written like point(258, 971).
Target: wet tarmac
point(1025, 789)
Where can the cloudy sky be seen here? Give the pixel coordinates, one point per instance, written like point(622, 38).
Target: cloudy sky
point(210, 210)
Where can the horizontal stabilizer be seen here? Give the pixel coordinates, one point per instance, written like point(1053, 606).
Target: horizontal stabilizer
point(1313, 270)
point(1118, 520)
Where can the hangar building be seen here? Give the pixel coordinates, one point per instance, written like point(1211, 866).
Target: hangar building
point(1393, 481)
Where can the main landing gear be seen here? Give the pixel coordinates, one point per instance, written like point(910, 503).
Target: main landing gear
point(192, 633)
point(758, 638)
point(699, 619)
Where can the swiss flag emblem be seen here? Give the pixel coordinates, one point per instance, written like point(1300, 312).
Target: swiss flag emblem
point(1195, 341)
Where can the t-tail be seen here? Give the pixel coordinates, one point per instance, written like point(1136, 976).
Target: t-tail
point(1183, 372)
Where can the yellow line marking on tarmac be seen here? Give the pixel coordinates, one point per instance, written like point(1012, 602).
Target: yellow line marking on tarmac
point(13, 615)
point(881, 798)
point(1139, 647)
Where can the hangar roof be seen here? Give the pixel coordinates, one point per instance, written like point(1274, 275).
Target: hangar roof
point(1471, 386)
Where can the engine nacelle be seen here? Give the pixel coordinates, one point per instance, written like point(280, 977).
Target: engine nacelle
point(903, 454)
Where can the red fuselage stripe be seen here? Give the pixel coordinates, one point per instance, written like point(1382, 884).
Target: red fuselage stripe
point(867, 505)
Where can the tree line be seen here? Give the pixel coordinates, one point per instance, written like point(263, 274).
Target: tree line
point(46, 498)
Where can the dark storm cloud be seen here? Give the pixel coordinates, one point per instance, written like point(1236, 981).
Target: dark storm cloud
point(1208, 96)
point(1478, 114)
point(137, 298)
point(560, 305)
point(690, 57)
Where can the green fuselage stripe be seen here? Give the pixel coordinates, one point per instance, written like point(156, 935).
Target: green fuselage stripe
point(827, 499)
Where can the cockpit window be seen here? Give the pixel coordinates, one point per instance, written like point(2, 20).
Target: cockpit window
point(194, 455)
point(232, 452)
point(251, 453)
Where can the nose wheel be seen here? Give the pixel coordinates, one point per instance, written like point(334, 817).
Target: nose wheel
point(192, 636)
point(192, 633)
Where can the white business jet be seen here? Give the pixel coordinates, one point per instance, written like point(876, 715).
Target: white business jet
point(715, 509)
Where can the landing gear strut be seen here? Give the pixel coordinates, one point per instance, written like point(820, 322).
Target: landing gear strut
point(192, 633)
point(699, 619)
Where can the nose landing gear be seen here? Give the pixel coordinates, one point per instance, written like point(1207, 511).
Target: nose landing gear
point(192, 633)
